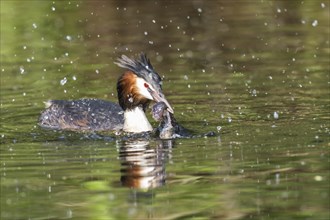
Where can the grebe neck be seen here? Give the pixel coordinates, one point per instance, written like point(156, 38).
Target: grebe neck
point(136, 121)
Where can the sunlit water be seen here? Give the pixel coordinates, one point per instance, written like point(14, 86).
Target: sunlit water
point(256, 73)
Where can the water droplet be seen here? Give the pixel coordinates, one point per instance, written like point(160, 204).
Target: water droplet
point(277, 178)
point(318, 178)
point(63, 81)
point(315, 23)
point(21, 69)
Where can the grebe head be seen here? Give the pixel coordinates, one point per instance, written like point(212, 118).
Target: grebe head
point(139, 84)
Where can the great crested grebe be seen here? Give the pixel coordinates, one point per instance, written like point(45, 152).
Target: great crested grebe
point(136, 88)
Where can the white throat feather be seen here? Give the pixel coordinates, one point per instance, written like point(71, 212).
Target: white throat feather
point(136, 121)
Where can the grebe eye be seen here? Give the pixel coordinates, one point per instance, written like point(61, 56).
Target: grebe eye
point(146, 85)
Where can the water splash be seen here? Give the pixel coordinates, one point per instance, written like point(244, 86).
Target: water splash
point(63, 81)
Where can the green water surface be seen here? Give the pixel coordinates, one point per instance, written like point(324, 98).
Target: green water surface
point(254, 72)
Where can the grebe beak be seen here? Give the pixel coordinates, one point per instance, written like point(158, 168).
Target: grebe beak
point(159, 97)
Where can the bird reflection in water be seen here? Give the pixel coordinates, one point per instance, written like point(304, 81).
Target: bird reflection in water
point(143, 164)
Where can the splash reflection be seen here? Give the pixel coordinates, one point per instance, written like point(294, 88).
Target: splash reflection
point(143, 164)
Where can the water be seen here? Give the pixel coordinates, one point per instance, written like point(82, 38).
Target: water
point(256, 73)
